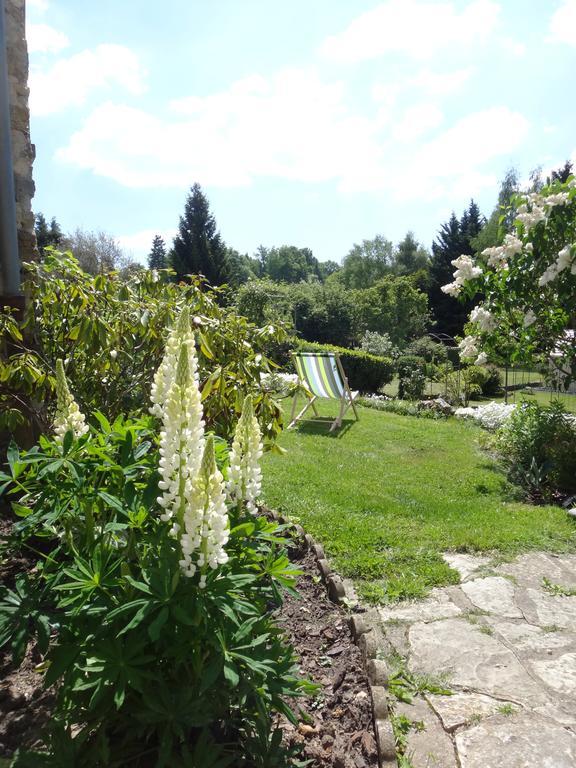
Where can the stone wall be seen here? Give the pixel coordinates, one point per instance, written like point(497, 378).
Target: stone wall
point(22, 149)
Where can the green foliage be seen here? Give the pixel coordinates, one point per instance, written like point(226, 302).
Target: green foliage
point(393, 305)
point(492, 384)
point(149, 669)
point(538, 447)
point(366, 263)
point(365, 373)
point(288, 264)
point(467, 383)
point(111, 333)
point(425, 347)
point(47, 236)
point(401, 407)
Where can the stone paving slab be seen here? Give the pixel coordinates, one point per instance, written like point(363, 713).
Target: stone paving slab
point(505, 645)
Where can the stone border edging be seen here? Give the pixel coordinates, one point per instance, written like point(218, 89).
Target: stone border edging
point(368, 636)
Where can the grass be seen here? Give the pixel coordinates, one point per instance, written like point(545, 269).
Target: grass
point(387, 495)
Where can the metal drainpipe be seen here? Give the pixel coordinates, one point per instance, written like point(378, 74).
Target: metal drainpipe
point(9, 258)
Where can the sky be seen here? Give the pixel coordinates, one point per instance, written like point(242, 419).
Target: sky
point(315, 123)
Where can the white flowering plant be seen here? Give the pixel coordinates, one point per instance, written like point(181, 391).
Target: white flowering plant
point(527, 284)
point(150, 601)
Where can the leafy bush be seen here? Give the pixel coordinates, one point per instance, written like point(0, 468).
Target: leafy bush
point(110, 332)
point(152, 612)
point(492, 385)
point(466, 384)
point(425, 347)
point(365, 373)
point(378, 344)
point(401, 407)
point(538, 446)
point(412, 377)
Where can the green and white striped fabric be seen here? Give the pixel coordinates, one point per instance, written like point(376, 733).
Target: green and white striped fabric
point(318, 370)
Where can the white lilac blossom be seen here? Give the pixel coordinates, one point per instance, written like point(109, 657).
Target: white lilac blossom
point(484, 318)
point(181, 438)
point(564, 261)
point(166, 373)
point(68, 417)
point(490, 416)
point(499, 255)
point(529, 318)
point(244, 475)
point(465, 270)
point(482, 359)
point(205, 523)
point(469, 347)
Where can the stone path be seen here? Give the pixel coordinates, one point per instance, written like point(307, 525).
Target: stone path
point(504, 641)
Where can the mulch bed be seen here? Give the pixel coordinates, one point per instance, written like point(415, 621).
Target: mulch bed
point(337, 728)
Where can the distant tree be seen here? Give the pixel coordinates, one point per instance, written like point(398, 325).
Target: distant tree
point(288, 264)
point(456, 237)
point(239, 267)
point(561, 174)
point(327, 268)
point(47, 235)
point(97, 252)
point(393, 305)
point(410, 256)
point(366, 263)
point(198, 247)
point(157, 256)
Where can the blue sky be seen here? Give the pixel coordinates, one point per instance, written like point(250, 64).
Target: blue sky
point(314, 123)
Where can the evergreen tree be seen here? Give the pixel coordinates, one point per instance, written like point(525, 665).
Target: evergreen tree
point(157, 256)
point(198, 247)
point(410, 256)
point(47, 235)
point(454, 239)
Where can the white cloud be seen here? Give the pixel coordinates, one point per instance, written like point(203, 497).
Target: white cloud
point(42, 38)
point(562, 27)
point(428, 82)
point(69, 81)
point(139, 244)
point(418, 120)
point(414, 27)
point(513, 47)
point(291, 125)
point(294, 126)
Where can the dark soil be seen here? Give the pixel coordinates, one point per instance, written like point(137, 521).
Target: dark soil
point(336, 727)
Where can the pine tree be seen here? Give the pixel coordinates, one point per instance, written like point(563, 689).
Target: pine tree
point(198, 247)
point(47, 235)
point(55, 233)
point(454, 239)
point(157, 256)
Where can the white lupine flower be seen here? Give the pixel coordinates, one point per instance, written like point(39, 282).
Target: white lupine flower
point(484, 318)
point(68, 416)
point(205, 530)
point(181, 437)
point(529, 318)
point(166, 373)
point(244, 476)
point(469, 347)
point(452, 289)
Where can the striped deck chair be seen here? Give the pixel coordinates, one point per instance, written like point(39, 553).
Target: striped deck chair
point(322, 375)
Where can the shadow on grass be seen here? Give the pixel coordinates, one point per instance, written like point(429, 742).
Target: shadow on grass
point(321, 427)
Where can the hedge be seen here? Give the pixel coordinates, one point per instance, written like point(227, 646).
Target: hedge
point(365, 372)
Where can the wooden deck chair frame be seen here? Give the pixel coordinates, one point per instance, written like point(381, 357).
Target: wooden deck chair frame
point(322, 383)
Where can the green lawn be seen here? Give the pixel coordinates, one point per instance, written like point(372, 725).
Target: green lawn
point(387, 495)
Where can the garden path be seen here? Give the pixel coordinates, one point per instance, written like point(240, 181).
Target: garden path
point(504, 642)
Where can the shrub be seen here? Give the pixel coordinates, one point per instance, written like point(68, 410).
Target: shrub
point(465, 384)
point(401, 407)
point(425, 347)
point(378, 344)
point(152, 613)
point(365, 373)
point(492, 385)
point(412, 377)
point(110, 331)
point(538, 446)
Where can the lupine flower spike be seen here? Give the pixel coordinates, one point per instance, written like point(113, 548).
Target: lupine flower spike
point(181, 437)
point(206, 528)
point(166, 373)
point(245, 476)
point(68, 416)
